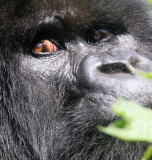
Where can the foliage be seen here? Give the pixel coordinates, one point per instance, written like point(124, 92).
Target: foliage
point(136, 122)
point(135, 125)
point(141, 73)
point(150, 1)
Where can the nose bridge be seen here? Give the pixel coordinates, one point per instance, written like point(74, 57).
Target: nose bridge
point(109, 67)
point(126, 57)
point(112, 56)
point(117, 55)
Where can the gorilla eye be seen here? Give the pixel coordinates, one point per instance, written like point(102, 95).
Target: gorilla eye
point(44, 47)
point(98, 35)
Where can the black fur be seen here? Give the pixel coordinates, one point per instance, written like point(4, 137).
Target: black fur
point(50, 106)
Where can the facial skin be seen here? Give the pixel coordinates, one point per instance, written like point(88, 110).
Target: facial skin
point(63, 63)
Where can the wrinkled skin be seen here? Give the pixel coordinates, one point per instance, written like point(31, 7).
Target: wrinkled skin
point(51, 104)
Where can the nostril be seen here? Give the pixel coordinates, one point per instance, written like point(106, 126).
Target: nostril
point(114, 68)
point(134, 62)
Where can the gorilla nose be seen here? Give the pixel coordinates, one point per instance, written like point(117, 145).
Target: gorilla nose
point(114, 68)
point(106, 69)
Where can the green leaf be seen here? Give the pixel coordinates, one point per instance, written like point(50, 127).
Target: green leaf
point(148, 153)
point(150, 1)
point(141, 73)
point(135, 125)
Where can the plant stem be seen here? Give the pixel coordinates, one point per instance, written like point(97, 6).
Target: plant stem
point(148, 153)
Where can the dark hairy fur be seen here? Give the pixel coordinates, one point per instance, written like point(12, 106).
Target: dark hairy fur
point(51, 106)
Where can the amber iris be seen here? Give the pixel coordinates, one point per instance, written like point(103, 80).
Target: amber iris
point(44, 46)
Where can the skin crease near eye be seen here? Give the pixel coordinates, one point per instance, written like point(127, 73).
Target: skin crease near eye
point(44, 46)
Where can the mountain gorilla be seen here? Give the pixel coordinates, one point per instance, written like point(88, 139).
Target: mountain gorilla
point(63, 63)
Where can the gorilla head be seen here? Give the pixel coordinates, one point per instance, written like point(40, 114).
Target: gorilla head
point(63, 63)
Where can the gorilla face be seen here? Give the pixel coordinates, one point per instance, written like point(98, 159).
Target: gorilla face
point(63, 63)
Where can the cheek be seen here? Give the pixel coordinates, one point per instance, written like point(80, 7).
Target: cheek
point(36, 67)
point(44, 68)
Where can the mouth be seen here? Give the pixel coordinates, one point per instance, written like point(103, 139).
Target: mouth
point(139, 91)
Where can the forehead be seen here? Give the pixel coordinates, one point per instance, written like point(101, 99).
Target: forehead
point(74, 14)
point(73, 6)
point(73, 11)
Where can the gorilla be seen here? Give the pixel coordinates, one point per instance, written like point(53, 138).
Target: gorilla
point(63, 64)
